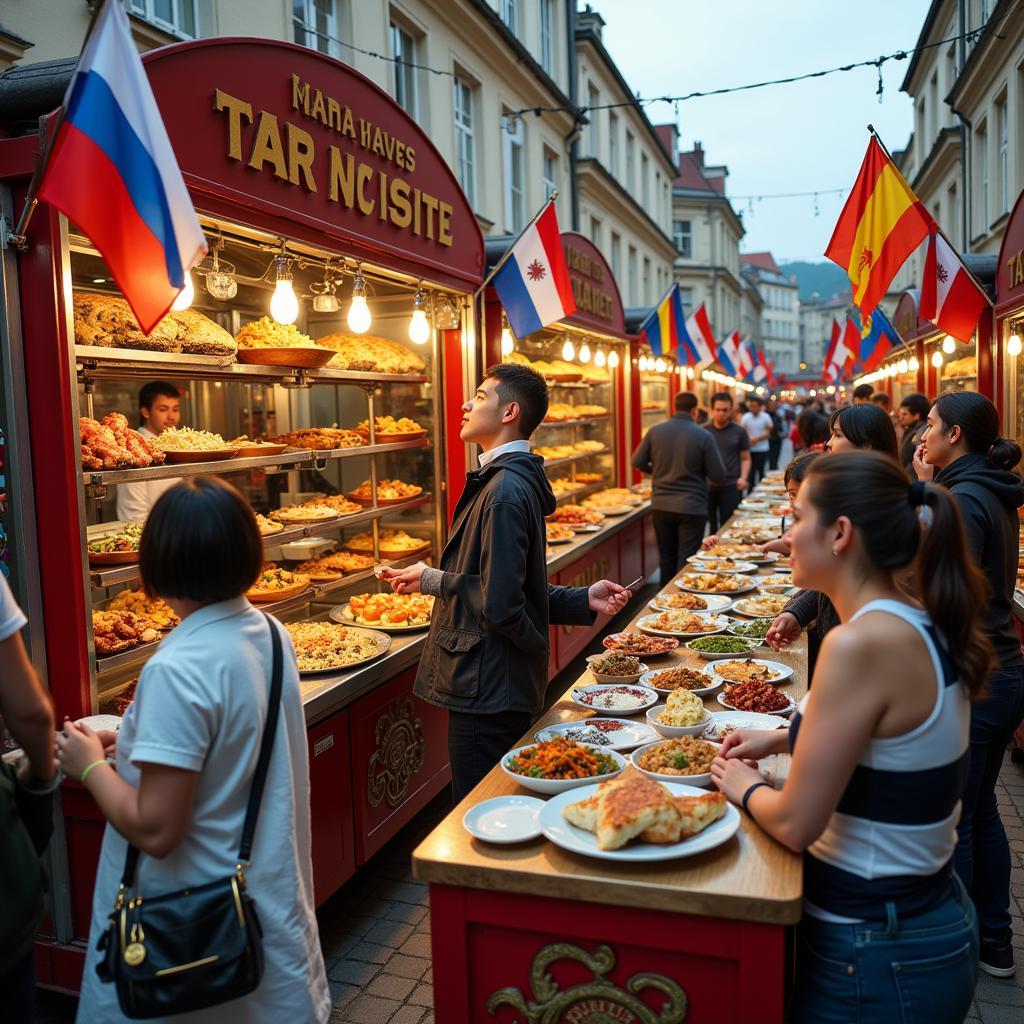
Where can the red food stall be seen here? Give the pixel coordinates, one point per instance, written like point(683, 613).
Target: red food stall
point(288, 155)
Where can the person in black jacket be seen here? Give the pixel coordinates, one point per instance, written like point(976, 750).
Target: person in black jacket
point(487, 652)
point(963, 445)
point(914, 420)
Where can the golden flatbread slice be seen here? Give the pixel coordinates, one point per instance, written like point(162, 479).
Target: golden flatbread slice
point(697, 812)
point(629, 809)
point(582, 814)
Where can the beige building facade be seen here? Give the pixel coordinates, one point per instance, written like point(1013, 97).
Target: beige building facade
point(780, 313)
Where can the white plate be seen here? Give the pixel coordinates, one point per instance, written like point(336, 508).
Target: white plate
point(785, 671)
point(560, 540)
point(647, 680)
point(343, 614)
point(576, 840)
point(613, 510)
point(720, 622)
point(745, 589)
point(781, 712)
point(715, 602)
point(740, 607)
point(549, 787)
point(651, 698)
point(504, 819)
point(735, 565)
point(758, 558)
point(632, 734)
point(588, 527)
point(691, 780)
point(743, 720)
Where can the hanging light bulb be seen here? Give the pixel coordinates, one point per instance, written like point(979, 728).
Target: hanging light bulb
point(186, 296)
point(419, 325)
point(568, 350)
point(659, 365)
point(600, 358)
point(359, 312)
point(584, 352)
point(613, 358)
point(903, 366)
point(936, 358)
point(1013, 345)
point(914, 365)
point(284, 303)
point(689, 373)
point(949, 345)
point(642, 364)
point(508, 342)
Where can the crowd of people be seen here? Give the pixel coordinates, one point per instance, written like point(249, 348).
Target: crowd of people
point(906, 568)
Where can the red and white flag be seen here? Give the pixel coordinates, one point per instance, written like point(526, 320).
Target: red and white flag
point(830, 370)
point(949, 297)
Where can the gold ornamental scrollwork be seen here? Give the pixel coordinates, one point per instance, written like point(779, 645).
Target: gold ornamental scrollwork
point(600, 1001)
point(398, 757)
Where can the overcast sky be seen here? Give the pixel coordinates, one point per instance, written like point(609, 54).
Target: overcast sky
point(784, 138)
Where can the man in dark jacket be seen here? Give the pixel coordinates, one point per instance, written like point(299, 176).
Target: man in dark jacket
point(913, 414)
point(681, 457)
point(487, 652)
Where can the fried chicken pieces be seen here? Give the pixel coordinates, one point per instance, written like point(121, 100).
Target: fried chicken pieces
point(633, 806)
point(111, 444)
point(117, 631)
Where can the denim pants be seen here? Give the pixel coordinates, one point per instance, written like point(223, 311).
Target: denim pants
point(982, 858)
point(917, 970)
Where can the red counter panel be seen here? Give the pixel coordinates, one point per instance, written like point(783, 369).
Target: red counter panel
point(600, 563)
point(330, 805)
point(631, 553)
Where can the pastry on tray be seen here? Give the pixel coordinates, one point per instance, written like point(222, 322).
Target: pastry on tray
point(396, 543)
point(389, 425)
point(320, 438)
point(335, 565)
point(387, 490)
point(369, 353)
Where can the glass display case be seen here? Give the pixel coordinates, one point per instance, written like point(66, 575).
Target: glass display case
point(655, 398)
point(959, 371)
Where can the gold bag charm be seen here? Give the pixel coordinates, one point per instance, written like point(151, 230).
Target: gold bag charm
point(134, 954)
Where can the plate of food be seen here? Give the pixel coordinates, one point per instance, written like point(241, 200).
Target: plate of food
point(388, 430)
point(685, 757)
point(389, 492)
point(708, 563)
point(752, 629)
point(762, 606)
point(783, 563)
point(393, 544)
point(325, 647)
point(608, 733)
point(763, 698)
point(749, 670)
point(155, 609)
point(615, 668)
point(276, 584)
point(614, 497)
point(183, 444)
point(751, 531)
point(686, 601)
point(634, 818)
point(267, 526)
point(116, 631)
point(119, 547)
point(724, 722)
point(393, 613)
point(334, 566)
point(614, 698)
point(308, 512)
point(610, 510)
point(265, 342)
point(683, 714)
point(578, 517)
point(641, 645)
point(504, 819)
point(776, 583)
point(559, 534)
point(715, 583)
point(729, 549)
point(250, 448)
point(715, 648)
point(670, 679)
point(553, 766)
point(754, 504)
point(682, 623)
point(322, 439)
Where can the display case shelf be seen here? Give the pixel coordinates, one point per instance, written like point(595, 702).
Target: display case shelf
point(569, 459)
point(581, 492)
point(585, 422)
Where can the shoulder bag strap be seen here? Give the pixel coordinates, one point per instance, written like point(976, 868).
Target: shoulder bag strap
point(252, 811)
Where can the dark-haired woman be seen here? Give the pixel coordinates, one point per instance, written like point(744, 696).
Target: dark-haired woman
point(863, 427)
point(963, 445)
point(186, 755)
point(880, 750)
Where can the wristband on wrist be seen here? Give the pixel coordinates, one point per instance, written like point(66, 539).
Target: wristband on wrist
point(747, 795)
point(88, 768)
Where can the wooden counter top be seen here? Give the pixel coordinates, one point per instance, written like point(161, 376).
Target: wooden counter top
point(752, 877)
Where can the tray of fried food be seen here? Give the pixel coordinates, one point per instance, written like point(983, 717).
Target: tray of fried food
point(589, 410)
point(111, 444)
point(332, 567)
point(388, 430)
point(368, 353)
point(591, 447)
point(341, 505)
point(118, 631)
point(554, 451)
point(394, 613)
point(320, 439)
point(562, 485)
point(589, 478)
point(155, 609)
point(577, 516)
point(560, 412)
point(268, 343)
point(557, 533)
point(389, 492)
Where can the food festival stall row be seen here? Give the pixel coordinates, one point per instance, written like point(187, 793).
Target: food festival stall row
point(325, 204)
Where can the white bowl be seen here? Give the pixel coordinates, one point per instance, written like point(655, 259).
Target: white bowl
point(691, 780)
point(671, 732)
point(549, 787)
point(603, 677)
point(650, 699)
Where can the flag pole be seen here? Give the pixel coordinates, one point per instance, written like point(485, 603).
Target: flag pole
point(504, 259)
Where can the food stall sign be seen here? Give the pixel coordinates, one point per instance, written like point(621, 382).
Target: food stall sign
point(1010, 268)
point(301, 137)
point(907, 318)
point(598, 303)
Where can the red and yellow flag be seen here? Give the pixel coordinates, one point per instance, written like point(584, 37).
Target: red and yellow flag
point(882, 223)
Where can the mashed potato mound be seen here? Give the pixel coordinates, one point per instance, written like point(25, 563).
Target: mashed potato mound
point(682, 708)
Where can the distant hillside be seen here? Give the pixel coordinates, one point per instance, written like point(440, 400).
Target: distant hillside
point(824, 278)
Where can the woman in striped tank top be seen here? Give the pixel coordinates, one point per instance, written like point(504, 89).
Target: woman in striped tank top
point(873, 794)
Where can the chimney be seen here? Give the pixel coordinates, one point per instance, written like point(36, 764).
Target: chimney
point(698, 155)
point(588, 20)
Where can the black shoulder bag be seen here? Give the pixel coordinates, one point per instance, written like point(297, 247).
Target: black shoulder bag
point(197, 947)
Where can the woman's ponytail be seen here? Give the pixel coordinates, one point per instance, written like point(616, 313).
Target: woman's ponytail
point(1004, 454)
point(952, 588)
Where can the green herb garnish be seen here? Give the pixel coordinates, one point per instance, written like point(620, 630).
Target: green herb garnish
point(680, 761)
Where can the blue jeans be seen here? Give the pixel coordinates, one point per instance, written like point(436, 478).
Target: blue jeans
point(919, 970)
point(982, 858)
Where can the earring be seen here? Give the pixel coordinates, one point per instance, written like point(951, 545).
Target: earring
point(835, 554)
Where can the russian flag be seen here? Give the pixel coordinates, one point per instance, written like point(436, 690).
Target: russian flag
point(113, 173)
point(533, 282)
point(698, 331)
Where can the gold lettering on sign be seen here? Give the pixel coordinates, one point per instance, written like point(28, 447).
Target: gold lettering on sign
point(1015, 267)
point(268, 147)
point(237, 109)
point(589, 294)
point(598, 1001)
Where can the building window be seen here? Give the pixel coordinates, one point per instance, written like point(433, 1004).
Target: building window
point(465, 140)
point(1004, 165)
point(954, 218)
point(180, 17)
point(510, 15)
point(631, 271)
point(547, 48)
point(593, 135)
point(645, 193)
point(683, 237)
point(616, 253)
point(315, 23)
point(550, 172)
point(647, 282)
point(515, 174)
point(933, 109)
point(613, 144)
point(595, 231)
point(630, 163)
point(981, 149)
point(403, 51)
